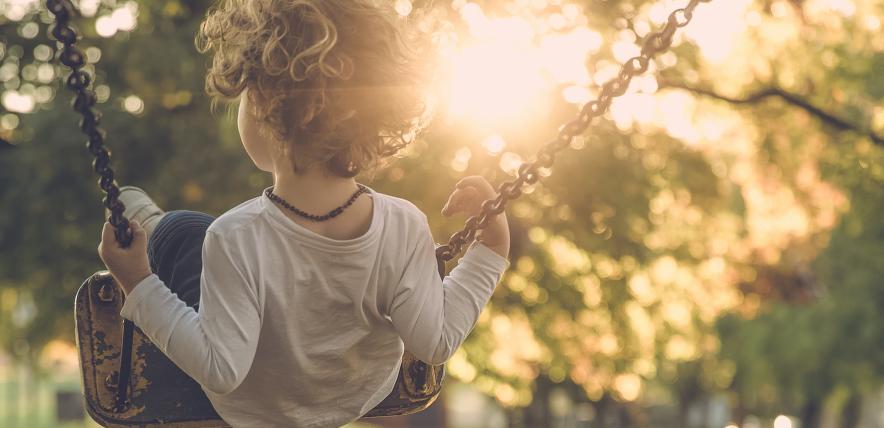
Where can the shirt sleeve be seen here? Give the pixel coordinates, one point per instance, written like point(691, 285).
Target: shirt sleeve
point(215, 346)
point(433, 316)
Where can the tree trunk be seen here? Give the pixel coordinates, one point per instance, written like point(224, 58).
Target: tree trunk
point(537, 413)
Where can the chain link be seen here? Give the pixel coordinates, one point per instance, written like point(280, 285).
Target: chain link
point(78, 81)
point(653, 44)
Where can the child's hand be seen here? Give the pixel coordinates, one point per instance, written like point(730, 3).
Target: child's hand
point(127, 265)
point(467, 198)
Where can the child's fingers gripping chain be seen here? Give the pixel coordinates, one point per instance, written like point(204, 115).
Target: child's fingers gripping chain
point(128, 265)
point(109, 248)
point(464, 200)
point(468, 196)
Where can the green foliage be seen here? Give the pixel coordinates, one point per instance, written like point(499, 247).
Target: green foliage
point(53, 206)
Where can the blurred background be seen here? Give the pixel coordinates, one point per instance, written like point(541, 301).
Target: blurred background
point(708, 255)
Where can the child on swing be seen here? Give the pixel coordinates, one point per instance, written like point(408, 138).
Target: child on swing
point(293, 309)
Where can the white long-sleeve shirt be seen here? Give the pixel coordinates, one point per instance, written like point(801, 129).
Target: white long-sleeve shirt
point(295, 329)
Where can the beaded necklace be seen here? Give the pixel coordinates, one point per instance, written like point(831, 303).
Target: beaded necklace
point(330, 215)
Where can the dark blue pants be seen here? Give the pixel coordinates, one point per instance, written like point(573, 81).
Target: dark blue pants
point(175, 252)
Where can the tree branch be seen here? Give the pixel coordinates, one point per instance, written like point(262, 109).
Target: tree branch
point(824, 116)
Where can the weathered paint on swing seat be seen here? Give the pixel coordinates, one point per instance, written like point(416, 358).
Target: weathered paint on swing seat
point(160, 393)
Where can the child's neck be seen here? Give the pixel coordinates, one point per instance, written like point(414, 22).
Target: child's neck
point(314, 190)
point(318, 192)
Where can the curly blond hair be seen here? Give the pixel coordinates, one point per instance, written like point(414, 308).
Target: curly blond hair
point(336, 82)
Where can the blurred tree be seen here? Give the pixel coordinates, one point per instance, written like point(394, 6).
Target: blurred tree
point(164, 138)
point(829, 351)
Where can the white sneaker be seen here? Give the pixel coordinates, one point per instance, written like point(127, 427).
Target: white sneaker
point(140, 207)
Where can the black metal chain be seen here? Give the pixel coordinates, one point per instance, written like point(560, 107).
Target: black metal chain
point(528, 172)
point(78, 81)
